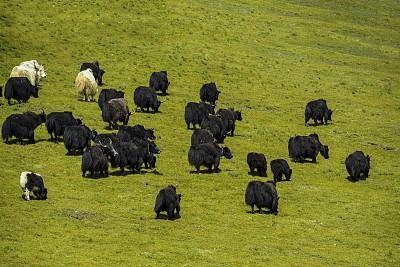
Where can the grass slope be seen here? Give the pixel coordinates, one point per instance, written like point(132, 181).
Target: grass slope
point(269, 58)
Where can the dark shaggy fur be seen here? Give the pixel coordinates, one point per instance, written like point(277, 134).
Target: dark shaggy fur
point(78, 138)
point(146, 98)
point(302, 147)
point(208, 155)
point(280, 167)
point(357, 163)
point(159, 81)
point(116, 110)
point(105, 138)
point(127, 133)
point(95, 159)
point(129, 156)
point(262, 195)
point(216, 126)
point(108, 94)
point(167, 200)
point(20, 89)
point(22, 126)
point(229, 118)
point(318, 111)
point(209, 93)
point(196, 112)
point(257, 161)
point(57, 121)
point(200, 136)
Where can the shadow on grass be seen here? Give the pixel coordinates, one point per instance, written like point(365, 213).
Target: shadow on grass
point(349, 178)
point(17, 142)
point(303, 161)
point(141, 172)
point(262, 212)
point(205, 171)
point(165, 217)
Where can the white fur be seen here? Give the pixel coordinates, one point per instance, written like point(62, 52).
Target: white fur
point(31, 70)
point(86, 85)
point(23, 179)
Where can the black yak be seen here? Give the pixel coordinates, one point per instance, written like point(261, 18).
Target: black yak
point(159, 81)
point(262, 195)
point(229, 118)
point(318, 111)
point(302, 147)
point(108, 94)
point(78, 137)
point(57, 121)
point(32, 182)
point(200, 136)
point(146, 98)
point(129, 155)
point(148, 149)
point(209, 93)
point(95, 159)
point(280, 167)
point(216, 126)
point(127, 133)
point(196, 112)
point(103, 138)
point(208, 155)
point(97, 72)
point(20, 89)
point(167, 200)
point(357, 163)
point(116, 110)
point(257, 161)
point(22, 126)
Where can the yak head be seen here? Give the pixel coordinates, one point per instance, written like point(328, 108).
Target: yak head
point(42, 116)
point(324, 150)
point(78, 121)
point(100, 76)
point(226, 152)
point(289, 174)
point(153, 148)
point(40, 72)
point(108, 148)
point(238, 115)
point(329, 115)
point(149, 134)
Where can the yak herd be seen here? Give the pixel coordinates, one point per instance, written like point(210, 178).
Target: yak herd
point(133, 147)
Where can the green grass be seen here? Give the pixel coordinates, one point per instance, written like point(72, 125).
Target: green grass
point(269, 58)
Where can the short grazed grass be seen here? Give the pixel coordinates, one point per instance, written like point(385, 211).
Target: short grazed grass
point(269, 58)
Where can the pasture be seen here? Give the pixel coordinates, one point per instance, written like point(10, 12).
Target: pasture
point(268, 58)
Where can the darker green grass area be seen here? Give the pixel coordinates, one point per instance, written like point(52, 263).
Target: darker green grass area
point(269, 58)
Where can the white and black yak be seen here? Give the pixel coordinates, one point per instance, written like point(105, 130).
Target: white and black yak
point(146, 98)
point(302, 147)
point(32, 70)
point(116, 110)
point(77, 138)
point(318, 111)
point(280, 167)
point(20, 89)
point(32, 182)
point(167, 200)
point(262, 195)
point(22, 126)
point(159, 81)
point(86, 85)
point(208, 155)
point(356, 164)
point(95, 68)
point(209, 93)
point(57, 121)
point(229, 117)
point(195, 113)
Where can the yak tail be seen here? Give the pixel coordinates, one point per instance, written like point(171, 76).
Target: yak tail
point(250, 196)
point(6, 129)
point(8, 90)
point(87, 160)
point(195, 156)
point(160, 201)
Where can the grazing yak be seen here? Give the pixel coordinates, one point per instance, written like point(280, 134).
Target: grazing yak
point(302, 147)
point(148, 149)
point(129, 155)
point(318, 111)
point(57, 121)
point(257, 161)
point(95, 159)
point(103, 138)
point(195, 113)
point(86, 85)
point(216, 126)
point(20, 89)
point(159, 81)
point(262, 195)
point(229, 117)
point(357, 163)
point(32, 182)
point(108, 94)
point(146, 98)
point(116, 110)
point(127, 133)
point(167, 200)
point(97, 72)
point(208, 155)
point(201, 136)
point(32, 70)
point(280, 167)
point(209, 93)
point(77, 138)
point(22, 126)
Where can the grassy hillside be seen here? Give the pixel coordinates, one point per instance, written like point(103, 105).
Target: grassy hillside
point(269, 58)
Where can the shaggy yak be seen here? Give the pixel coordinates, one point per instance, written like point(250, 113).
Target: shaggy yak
point(31, 70)
point(262, 195)
point(167, 200)
point(86, 85)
